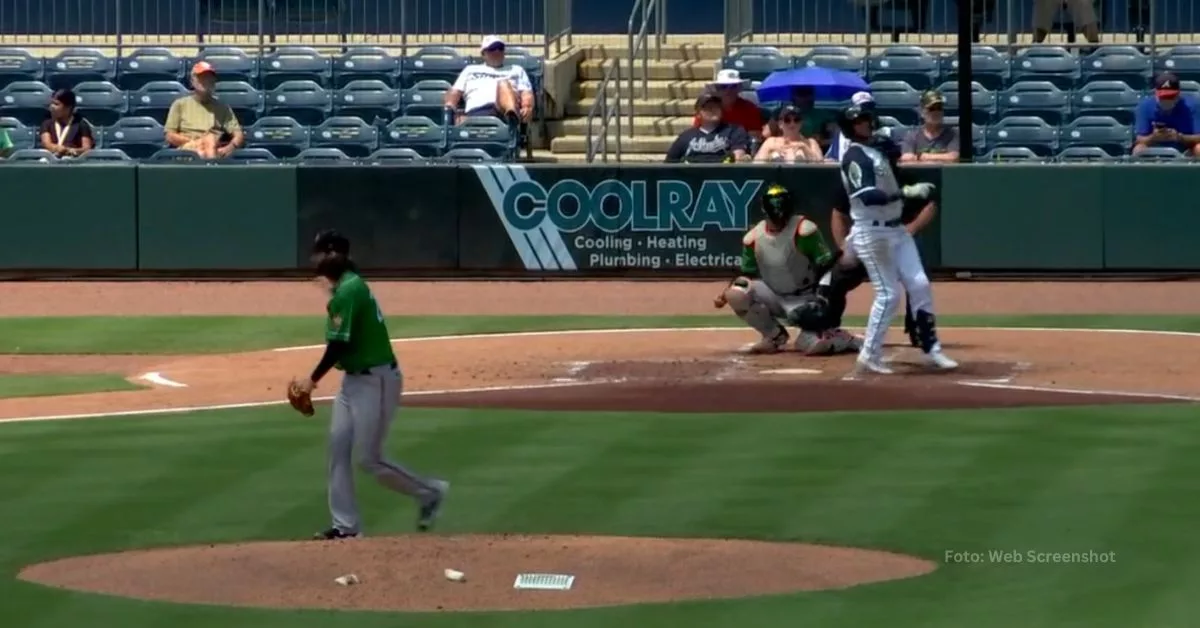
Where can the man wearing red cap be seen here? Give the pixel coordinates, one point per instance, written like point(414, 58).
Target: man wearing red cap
point(1167, 119)
point(202, 124)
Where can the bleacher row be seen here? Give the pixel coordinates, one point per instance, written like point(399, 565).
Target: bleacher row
point(1039, 103)
point(294, 102)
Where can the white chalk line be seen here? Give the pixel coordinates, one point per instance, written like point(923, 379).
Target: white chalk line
point(155, 377)
point(1075, 391)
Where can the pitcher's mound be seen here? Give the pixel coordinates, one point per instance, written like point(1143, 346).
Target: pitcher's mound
point(406, 573)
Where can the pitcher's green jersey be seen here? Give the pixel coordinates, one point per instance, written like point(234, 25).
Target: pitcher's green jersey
point(355, 318)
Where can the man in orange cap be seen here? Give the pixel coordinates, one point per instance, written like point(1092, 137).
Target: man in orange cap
point(201, 123)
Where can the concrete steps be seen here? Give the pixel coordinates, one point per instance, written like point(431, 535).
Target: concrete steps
point(701, 70)
point(655, 90)
point(648, 107)
point(642, 125)
point(655, 145)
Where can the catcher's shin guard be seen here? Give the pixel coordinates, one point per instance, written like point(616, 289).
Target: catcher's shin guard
point(926, 330)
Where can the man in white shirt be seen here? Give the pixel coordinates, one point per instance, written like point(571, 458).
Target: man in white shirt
point(493, 88)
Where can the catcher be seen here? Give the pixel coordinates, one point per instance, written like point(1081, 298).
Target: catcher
point(788, 273)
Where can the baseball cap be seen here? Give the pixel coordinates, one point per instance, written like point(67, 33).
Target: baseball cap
point(203, 67)
point(1166, 85)
point(932, 97)
point(491, 42)
point(789, 110)
point(728, 77)
point(707, 97)
point(862, 98)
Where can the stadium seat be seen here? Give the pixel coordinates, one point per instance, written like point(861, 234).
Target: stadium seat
point(1012, 154)
point(1103, 132)
point(533, 65)
point(1106, 98)
point(76, 65)
point(1117, 63)
point(305, 101)
point(419, 133)
point(1159, 153)
point(283, 136)
point(366, 64)
point(139, 136)
point(1035, 98)
point(983, 101)
point(1046, 63)
point(425, 99)
point(832, 57)
point(253, 155)
point(105, 155)
point(174, 155)
point(295, 63)
point(1190, 89)
point(19, 134)
point(26, 101)
point(488, 134)
point(898, 100)
point(468, 156)
point(978, 133)
point(144, 65)
point(350, 135)
point(1028, 131)
point(18, 65)
point(1084, 154)
point(100, 102)
point(369, 99)
point(894, 129)
point(33, 154)
point(153, 100)
point(911, 64)
point(243, 98)
point(755, 63)
point(989, 68)
point(322, 155)
point(432, 63)
point(230, 64)
point(1182, 61)
point(396, 156)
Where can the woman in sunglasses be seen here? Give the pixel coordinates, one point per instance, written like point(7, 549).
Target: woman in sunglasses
point(790, 146)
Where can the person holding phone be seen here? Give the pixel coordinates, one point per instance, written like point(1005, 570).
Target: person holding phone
point(1167, 119)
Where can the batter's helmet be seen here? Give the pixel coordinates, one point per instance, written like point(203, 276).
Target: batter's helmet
point(850, 117)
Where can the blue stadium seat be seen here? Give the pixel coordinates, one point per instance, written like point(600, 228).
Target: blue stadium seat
point(978, 133)
point(1028, 131)
point(468, 156)
point(139, 136)
point(1012, 154)
point(369, 99)
point(231, 64)
point(1084, 154)
point(989, 68)
point(26, 101)
point(534, 68)
point(1190, 89)
point(100, 102)
point(305, 101)
point(755, 63)
point(1103, 132)
point(33, 154)
point(174, 155)
point(425, 99)
point(1106, 98)
point(366, 64)
point(911, 64)
point(253, 156)
point(348, 134)
point(144, 65)
point(983, 101)
point(1035, 98)
point(894, 128)
point(106, 155)
point(1046, 63)
point(832, 57)
point(20, 135)
point(1117, 63)
point(153, 100)
point(488, 134)
point(396, 156)
point(322, 155)
point(1159, 153)
point(419, 133)
point(432, 63)
point(243, 98)
point(295, 63)
point(897, 99)
point(1182, 61)
point(283, 136)
point(76, 65)
point(17, 64)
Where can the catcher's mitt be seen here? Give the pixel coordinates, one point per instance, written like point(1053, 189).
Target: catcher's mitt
point(300, 399)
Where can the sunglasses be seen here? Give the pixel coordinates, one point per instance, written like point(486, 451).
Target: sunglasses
point(934, 108)
point(791, 120)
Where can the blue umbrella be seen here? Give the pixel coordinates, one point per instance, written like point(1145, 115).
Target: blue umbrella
point(827, 84)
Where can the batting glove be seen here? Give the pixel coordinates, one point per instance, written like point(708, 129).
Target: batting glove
point(918, 190)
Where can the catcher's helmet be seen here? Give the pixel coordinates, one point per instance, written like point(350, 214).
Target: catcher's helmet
point(330, 241)
point(851, 116)
point(778, 204)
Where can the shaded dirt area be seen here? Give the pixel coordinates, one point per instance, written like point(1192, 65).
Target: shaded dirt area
point(406, 573)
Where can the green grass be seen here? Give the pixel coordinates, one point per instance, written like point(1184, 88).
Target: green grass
point(224, 334)
point(41, 385)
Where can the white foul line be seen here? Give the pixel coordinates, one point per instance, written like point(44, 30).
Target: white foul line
point(154, 377)
point(1076, 391)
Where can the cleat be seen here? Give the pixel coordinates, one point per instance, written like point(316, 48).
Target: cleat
point(431, 508)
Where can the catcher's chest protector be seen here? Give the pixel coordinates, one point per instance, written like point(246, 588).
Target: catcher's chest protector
point(782, 267)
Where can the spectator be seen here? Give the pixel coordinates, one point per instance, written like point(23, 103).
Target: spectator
point(6, 145)
point(790, 145)
point(866, 102)
point(818, 124)
point(933, 140)
point(1167, 119)
point(493, 88)
point(1083, 15)
point(64, 133)
point(735, 109)
point(714, 141)
point(202, 124)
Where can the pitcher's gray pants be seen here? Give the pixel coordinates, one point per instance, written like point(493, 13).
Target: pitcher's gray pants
point(362, 415)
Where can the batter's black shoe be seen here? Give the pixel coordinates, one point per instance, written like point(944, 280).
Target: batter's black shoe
point(431, 508)
point(333, 534)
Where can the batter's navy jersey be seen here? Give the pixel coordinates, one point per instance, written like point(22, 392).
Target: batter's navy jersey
point(865, 169)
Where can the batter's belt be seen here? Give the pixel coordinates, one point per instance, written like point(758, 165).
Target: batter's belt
point(895, 222)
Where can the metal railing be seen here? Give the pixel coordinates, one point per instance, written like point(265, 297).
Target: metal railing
point(650, 11)
point(932, 23)
point(606, 109)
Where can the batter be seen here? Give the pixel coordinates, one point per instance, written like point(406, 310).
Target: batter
point(358, 344)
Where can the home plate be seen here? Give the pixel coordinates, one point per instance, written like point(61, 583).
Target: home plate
point(791, 372)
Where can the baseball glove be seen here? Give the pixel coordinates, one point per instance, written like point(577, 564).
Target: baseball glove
point(300, 399)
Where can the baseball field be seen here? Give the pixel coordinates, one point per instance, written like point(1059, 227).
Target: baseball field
point(152, 474)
